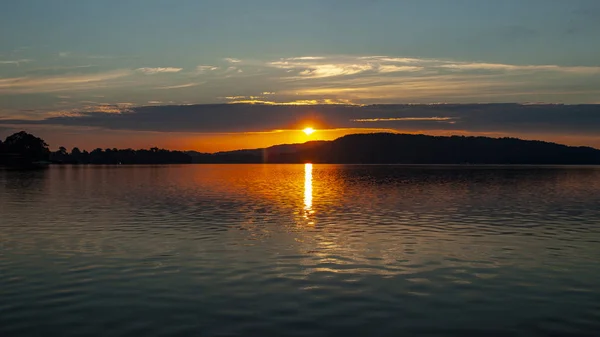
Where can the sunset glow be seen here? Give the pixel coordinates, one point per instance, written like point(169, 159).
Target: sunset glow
point(106, 92)
point(316, 167)
point(308, 131)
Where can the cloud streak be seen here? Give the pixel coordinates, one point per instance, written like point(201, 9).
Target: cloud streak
point(314, 79)
point(24, 85)
point(15, 62)
point(510, 67)
point(390, 68)
point(500, 119)
point(179, 86)
point(201, 69)
point(159, 70)
point(318, 67)
point(409, 119)
point(385, 79)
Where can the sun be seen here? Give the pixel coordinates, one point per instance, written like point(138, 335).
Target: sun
point(308, 131)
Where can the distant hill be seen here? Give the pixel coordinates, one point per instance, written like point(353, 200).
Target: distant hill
point(390, 148)
point(22, 150)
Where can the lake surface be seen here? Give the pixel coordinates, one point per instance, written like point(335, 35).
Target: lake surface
point(300, 250)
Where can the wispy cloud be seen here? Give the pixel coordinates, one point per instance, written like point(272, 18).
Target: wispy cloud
point(390, 68)
point(510, 67)
point(263, 100)
point(394, 59)
point(232, 60)
point(93, 108)
point(232, 72)
point(330, 70)
point(315, 79)
point(201, 69)
point(304, 58)
point(21, 85)
point(159, 70)
point(407, 119)
point(15, 62)
point(117, 108)
point(321, 67)
point(386, 79)
point(56, 68)
point(326, 101)
point(179, 86)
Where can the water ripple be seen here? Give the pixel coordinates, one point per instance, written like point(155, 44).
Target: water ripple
point(227, 250)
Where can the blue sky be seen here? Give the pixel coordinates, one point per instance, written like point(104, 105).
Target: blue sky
point(73, 57)
point(185, 32)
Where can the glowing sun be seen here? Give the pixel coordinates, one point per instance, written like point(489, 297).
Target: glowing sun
point(308, 131)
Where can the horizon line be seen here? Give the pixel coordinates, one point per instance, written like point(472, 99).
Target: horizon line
point(350, 135)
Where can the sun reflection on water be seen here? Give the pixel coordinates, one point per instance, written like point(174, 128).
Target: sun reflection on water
point(308, 190)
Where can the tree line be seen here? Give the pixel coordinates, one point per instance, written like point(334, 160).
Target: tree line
point(22, 148)
point(377, 148)
point(119, 156)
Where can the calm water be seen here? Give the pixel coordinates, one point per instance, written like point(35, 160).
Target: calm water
point(295, 250)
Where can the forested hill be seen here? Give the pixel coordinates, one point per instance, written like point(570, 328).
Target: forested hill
point(390, 148)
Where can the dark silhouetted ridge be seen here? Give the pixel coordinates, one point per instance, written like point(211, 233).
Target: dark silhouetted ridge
point(390, 148)
point(22, 149)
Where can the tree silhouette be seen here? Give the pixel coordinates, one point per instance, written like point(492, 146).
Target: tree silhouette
point(61, 156)
point(22, 149)
point(76, 153)
point(27, 146)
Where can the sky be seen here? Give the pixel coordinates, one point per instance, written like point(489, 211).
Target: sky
point(223, 74)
